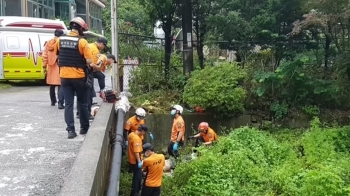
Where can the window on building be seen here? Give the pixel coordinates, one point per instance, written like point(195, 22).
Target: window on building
point(12, 7)
point(40, 8)
point(83, 16)
point(2, 7)
point(62, 11)
point(50, 3)
point(32, 9)
point(95, 17)
point(65, 9)
point(81, 8)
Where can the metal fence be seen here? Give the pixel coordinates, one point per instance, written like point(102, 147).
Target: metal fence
point(138, 50)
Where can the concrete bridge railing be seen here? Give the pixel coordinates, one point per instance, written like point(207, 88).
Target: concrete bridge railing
point(90, 171)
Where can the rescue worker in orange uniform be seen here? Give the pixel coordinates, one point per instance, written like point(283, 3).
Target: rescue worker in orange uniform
point(105, 61)
point(153, 166)
point(100, 44)
point(135, 158)
point(101, 63)
point(74, 58)
point(52, 70)
point(133, 123)
point(207, 134)
point(95, 50)
point(177, 131)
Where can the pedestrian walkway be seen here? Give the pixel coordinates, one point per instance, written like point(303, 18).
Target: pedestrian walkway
point(35, 154)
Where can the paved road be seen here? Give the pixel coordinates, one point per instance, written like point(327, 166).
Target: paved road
point(35, 154)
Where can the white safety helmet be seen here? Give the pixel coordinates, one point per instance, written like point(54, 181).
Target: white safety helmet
point(178, 108)
point(140, 112)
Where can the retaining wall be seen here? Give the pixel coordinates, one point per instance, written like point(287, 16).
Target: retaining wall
point(89, 174)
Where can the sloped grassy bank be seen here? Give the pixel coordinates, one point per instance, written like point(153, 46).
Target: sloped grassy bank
point(251, 162)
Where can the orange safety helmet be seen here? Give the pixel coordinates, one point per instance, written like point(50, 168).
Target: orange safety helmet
point(80, 22)
point(203, 126)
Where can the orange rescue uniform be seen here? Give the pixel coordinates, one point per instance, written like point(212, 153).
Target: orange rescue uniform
point(97, 56)
point(132, 124)
point(74, 72)
point(178, 127)
point(153, 165)
point(209, 136)
point(103, 58)
point(95, 52)
point(134, 146)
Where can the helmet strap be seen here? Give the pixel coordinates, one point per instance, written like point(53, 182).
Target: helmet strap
point(81, 31)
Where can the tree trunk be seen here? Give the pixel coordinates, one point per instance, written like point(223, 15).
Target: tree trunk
point(200, 53)
point(168, 39)
point(326, 54)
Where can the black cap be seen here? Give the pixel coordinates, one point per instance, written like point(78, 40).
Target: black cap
point(147, 146)
point(143, 128)
point(102, 40)
point(58, 32)
point(111, 56)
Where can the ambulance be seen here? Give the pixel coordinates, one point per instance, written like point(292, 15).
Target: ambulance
point(22, 41)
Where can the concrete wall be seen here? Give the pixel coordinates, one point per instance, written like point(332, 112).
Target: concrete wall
point(89, 175)
point(160, 125)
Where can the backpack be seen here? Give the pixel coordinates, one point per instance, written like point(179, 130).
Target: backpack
point(108, 95)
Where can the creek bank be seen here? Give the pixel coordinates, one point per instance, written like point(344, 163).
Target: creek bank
point(160, 124)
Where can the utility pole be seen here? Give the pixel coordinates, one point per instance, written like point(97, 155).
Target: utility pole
point(187, 51)
point(114, 31)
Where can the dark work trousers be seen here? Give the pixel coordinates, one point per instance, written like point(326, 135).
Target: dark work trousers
point(59, 94)
point(101, 79)
point(150, 191)
point(69, 87)
point(136, 180)
point(90, 92)
point(93, 92)
point(170, 149)
point(121, 83)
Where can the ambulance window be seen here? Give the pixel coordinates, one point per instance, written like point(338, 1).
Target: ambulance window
point(12, 42)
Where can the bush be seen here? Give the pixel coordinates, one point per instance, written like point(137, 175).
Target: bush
point(217, 89)
point(296, 83)
point(251, 162)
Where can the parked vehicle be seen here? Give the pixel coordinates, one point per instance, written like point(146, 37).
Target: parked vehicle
point(22, 41)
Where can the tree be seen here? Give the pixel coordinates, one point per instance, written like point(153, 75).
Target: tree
point(331, 18)
point(244, 24)
point(164, 11)
point(201, 10)
point(129, 11)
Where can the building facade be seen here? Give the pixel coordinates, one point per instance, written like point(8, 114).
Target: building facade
point(89, 10)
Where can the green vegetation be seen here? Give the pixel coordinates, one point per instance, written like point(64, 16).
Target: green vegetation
point(294, 55)
point(217, 89)
point(151, 90)
point(292, 60)
point(125, 178)
point(251, 162)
